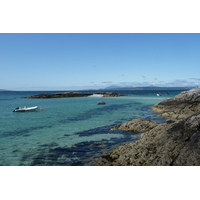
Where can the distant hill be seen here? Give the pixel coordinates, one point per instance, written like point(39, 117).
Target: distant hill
point(4, 90)
point(148, 88)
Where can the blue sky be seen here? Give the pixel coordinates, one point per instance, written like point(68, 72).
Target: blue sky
point(67, 61)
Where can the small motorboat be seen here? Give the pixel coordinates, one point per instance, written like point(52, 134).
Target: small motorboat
point(101, 103)
point(25, 108)
point(159, 94)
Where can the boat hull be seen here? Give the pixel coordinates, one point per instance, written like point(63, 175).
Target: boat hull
point(25, 109)
point(101, 103)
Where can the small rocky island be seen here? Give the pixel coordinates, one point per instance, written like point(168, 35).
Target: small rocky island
point(73, 94)
point(174, 143)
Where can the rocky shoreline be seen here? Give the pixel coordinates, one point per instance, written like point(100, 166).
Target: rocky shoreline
point(73, 94)
point(174, 143)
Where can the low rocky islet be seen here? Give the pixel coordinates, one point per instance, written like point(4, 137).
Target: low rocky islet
point(73, 94)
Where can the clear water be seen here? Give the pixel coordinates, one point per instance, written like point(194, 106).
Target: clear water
point(68, 131)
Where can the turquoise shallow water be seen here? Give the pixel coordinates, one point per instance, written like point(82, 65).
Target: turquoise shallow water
point(68, 131)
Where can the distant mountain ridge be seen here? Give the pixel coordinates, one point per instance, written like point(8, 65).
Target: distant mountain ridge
point(147, 88)
point(4, 90)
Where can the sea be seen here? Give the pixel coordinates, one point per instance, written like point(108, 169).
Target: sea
point(69, 131)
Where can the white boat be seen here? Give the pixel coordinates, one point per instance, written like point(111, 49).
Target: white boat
point(25, 108)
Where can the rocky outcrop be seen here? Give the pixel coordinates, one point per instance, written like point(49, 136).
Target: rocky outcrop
point(58, 95)
point(169, 144)
point(175, 144)
point(73, 94)
point(136, 125)
point(180, 106)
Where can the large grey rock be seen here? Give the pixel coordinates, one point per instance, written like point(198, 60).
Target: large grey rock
point(136, 125)
point(180, 106)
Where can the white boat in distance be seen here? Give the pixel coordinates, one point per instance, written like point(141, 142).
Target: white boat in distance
point(25, 108)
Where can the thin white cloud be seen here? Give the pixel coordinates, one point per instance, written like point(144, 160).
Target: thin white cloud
point(106, 82)
point(196, 79)
point(175, 83)
point(178, 83)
